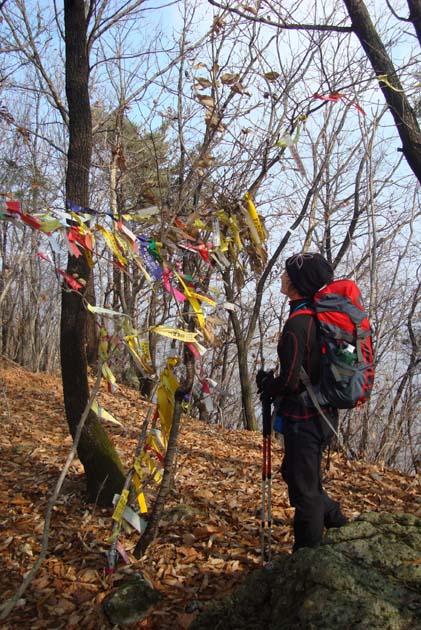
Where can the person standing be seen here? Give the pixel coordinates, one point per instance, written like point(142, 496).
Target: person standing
point(305, 432)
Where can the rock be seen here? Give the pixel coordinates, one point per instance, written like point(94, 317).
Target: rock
point(365, 576)
point(131, 602)
point(181, 512)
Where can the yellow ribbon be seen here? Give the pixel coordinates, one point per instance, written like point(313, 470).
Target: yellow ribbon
point(157, 438)
point(122, 243)
point(103, 345)
point(49, 224)
point(99, 310)
point(153, 443)
point(108, 375)
point(236, 233)
point(174, 333)
point(255, 217)
point(119, 508)
point(89, 258)
point(138, 468)
point(383, 79)
point(143, 270)
point(165, 396)
point(136, 480)
point(144, 345)
point(199, 224)
point(203, 298)
point(146, 461)
point(142, 503)
point(111, 243)
point(76, 218)
point(143, 214)
point(142, 360)
point(193, 298)
point(224, 245)
point(104, 414)
point(252, 228)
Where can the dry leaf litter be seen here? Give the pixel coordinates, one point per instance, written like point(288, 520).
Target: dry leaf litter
point(209, 538)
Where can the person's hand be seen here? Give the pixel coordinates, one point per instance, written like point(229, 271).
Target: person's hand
point(265, 397)
point(263, 378)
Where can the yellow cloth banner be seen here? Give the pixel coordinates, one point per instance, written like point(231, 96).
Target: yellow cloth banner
point(119, 508)
point(255, 217)
point(175, 333)
point(111, 243)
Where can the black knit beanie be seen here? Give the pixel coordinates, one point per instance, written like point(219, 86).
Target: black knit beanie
point(308, 272)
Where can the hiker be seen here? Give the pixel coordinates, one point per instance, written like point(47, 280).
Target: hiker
point(305, 432)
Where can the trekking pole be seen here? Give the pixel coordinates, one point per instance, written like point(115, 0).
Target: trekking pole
point(266, 481)
point(263, 508)
point(269, 492)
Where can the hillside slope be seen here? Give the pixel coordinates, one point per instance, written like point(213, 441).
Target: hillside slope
point(208, 540)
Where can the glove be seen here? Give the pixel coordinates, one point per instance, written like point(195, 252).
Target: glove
point(265, 397)
point(263, 378)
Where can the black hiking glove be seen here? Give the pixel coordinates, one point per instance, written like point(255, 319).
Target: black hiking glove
point(263, 379)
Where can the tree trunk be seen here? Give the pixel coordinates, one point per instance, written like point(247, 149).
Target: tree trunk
point(249, 419)
point(403, 114)
point(104, 473)
point(415, 16)
point(92, 331)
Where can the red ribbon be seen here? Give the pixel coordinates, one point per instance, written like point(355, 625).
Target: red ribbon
point(337, 96)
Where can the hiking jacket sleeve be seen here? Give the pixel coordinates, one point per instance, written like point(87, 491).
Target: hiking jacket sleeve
point(297, 348)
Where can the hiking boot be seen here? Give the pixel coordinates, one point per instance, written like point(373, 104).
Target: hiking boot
point(339, 521)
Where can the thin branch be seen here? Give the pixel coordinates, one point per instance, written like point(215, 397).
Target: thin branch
point(282, 25)
point(395, 14)
point(11, 603)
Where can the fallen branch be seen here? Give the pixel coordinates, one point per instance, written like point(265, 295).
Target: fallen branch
point(8, 606)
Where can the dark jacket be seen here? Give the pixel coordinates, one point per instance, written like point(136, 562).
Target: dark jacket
point(298, 346)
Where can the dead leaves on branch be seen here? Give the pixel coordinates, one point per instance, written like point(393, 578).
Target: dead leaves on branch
point(229, 79)
point(209, 536)
point(271, 76)
point(206, 101)
point(202, 83)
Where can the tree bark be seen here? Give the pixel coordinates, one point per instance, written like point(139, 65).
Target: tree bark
point(92, 331)
point(415, 16)
point(399, 106)
point(104, 473)
point(249, 418)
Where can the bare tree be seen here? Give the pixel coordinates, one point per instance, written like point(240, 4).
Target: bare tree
point(396, 98)
point(103, 470)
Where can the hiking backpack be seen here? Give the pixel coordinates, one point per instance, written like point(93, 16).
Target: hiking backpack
point(347, 365)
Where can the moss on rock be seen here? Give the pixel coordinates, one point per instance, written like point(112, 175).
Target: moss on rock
point(130, 602)
point(365, 576)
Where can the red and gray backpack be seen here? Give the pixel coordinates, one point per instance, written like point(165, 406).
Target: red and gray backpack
point(347, 363)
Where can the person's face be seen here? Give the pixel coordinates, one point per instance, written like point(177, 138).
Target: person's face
point(285, 284)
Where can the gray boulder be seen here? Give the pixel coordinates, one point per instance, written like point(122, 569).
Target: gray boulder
point(365, 576)
point(130, 602)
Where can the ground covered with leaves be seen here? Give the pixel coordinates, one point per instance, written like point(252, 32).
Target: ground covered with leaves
point(208, 539)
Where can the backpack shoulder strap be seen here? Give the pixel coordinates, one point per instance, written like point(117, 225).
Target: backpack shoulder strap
point(313, 396)
point(304, 311)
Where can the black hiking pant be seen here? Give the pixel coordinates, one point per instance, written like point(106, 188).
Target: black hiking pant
point(304, 441)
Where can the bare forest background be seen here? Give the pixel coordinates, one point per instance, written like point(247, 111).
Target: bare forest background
point(189, 106)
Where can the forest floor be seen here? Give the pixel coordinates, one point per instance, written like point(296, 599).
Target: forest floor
point(208, 539)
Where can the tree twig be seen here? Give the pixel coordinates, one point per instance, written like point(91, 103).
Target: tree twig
point(11, 603)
